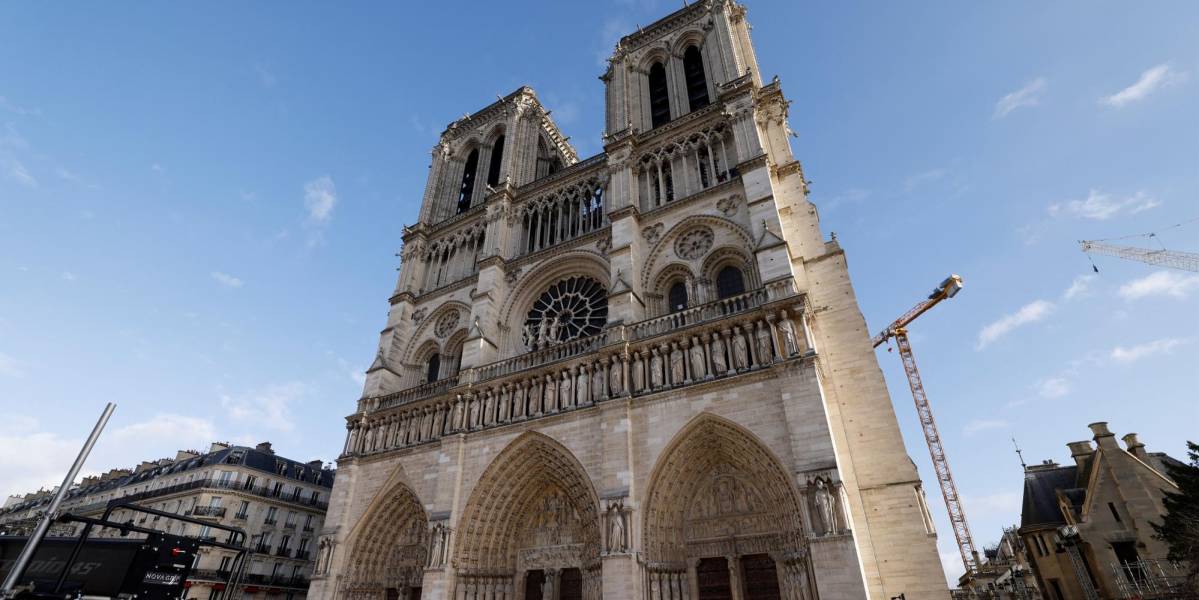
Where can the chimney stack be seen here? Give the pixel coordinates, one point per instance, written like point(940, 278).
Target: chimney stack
point(1135, 447)
point(264, 447)
point(1104, 436)
point(1080, 451)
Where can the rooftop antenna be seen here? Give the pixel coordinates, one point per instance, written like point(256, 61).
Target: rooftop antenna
point(1020, 454)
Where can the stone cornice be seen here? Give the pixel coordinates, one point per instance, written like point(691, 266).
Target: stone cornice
point(733, 183)
point(579, 170)
point(445, 289)
point(549, 253)
point(653, 136)
point(662, 27)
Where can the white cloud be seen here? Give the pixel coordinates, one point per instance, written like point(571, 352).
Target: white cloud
point(269, 407)
point(1029, 95)
point(978, 425)
point(929, 176)
point(10, 367)
point(31, 459)
point(226, 279)
point(1079, 287)
point(1101, 206)
point(1029, 313)
point(1053, 387)
point(9, 106)
point(610, 34)
point(1005, 505)
point(951, 563)
point(1151, 80)
point(1135, 353)
point(265, 76)
point(320, 196)
point(68, 276)
point(14, 170)
point(850, 196)
point(157, 168)
point(1160, 283)
point(179, 430)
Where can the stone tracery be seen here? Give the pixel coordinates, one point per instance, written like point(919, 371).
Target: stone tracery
point(532, 509)
point(389, 549)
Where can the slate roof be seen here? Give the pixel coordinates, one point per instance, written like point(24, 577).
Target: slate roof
point(1040, 505)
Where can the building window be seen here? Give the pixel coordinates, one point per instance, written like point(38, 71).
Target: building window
point(697, 84)
point(316, 496)
point(573, 308)
point(659, 96)
point(308, 519)
point(249, 484)
point(497, 159)
point(468, 181)
point(278, 491)
point(729, 282)
point(432, 367)
point(677, 296)
point(1115, 514)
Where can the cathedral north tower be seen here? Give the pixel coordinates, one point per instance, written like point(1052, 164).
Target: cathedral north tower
point(642, 374)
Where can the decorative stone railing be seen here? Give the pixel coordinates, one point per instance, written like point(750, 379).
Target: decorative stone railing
point(412, 394)
point(717, 342)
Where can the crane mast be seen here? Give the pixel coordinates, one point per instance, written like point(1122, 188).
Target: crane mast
point(949, 491)
point(1186, 261)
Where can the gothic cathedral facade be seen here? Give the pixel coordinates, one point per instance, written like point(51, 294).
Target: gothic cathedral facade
point(641, 375)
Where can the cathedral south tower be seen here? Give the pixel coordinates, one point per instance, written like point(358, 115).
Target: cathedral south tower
point(639, 375)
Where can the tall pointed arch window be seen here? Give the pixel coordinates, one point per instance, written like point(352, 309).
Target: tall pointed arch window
point(497, 159)
point(677, 296)
point(433, 368)
point(659, 95)
point(730, 281)
point(697, 83)
point(468, 181)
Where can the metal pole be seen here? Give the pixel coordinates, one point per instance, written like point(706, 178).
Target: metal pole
point(43, 526)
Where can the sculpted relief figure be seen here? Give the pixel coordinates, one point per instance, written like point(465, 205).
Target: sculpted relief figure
point(617, 539)
point(790, 340)
point(567, 390)
point(764, 350)
point(826, 506)
point(655, 369)
point(555, 330)
point(676, 365)
point(543, 333)
point(698, 370)
point(740, 350)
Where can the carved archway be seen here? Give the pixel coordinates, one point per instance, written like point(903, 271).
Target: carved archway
point(531, 286)
point(717, 491)
point(389, 547)
point(533, 509)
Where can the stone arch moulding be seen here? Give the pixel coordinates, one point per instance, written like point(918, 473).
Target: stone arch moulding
point(425, 331)
point(690, 37)
point(388, 546)
point(533, 507)
point(588, 263)
point(714, 481)
point(665, 244)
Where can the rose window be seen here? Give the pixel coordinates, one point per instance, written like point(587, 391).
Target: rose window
point(572, 308)
point(694, 243)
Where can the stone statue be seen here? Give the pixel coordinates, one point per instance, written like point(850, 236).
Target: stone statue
point(676, 365)
point(790, 340)
point(597, 383)
point(616, 529)
point(826, 506)
point(435, 550)
point(765, 354)
point(530, 337)
point(555, 329)
point(719, 365)
point(638, 372)
point(567, 389)
point(655, 369)
point(740, 351)
point(551, 394)
point(615, 378)
point(698, 369)
point(543, 332)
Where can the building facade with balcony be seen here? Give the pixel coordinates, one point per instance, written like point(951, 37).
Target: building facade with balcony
point(279, 503)
point(639, 375)
point(1087, 526)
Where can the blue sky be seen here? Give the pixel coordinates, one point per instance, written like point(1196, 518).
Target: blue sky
point(199, 209)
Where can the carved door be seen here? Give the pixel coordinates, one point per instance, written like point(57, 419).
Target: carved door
point(761, 578)
point(713, 575)
point(414, 593)
point(533, 582)
point(391, 594)
point(570, 585)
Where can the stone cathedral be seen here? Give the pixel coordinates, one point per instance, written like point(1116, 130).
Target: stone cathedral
point(639, 375)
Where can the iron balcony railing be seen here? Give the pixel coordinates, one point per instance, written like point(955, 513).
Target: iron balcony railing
point(269, 521)
point(207, 511)
point(261, 491)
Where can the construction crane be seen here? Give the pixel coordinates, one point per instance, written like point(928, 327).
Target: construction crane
point(898, 330)
point(1187, 261)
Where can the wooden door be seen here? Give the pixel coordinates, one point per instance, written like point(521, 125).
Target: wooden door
point(570, 585)
point(713, 575)
point(533, 582)
point(761, 578)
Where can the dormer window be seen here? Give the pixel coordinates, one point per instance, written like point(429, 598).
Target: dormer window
point(697, 83)
point(659, 96)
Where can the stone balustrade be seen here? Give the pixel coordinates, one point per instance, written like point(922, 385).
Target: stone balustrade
point(744, 334)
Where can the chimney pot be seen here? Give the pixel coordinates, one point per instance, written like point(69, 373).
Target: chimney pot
point(1080, 451)
point(1135, 447)
point(1100, 429)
